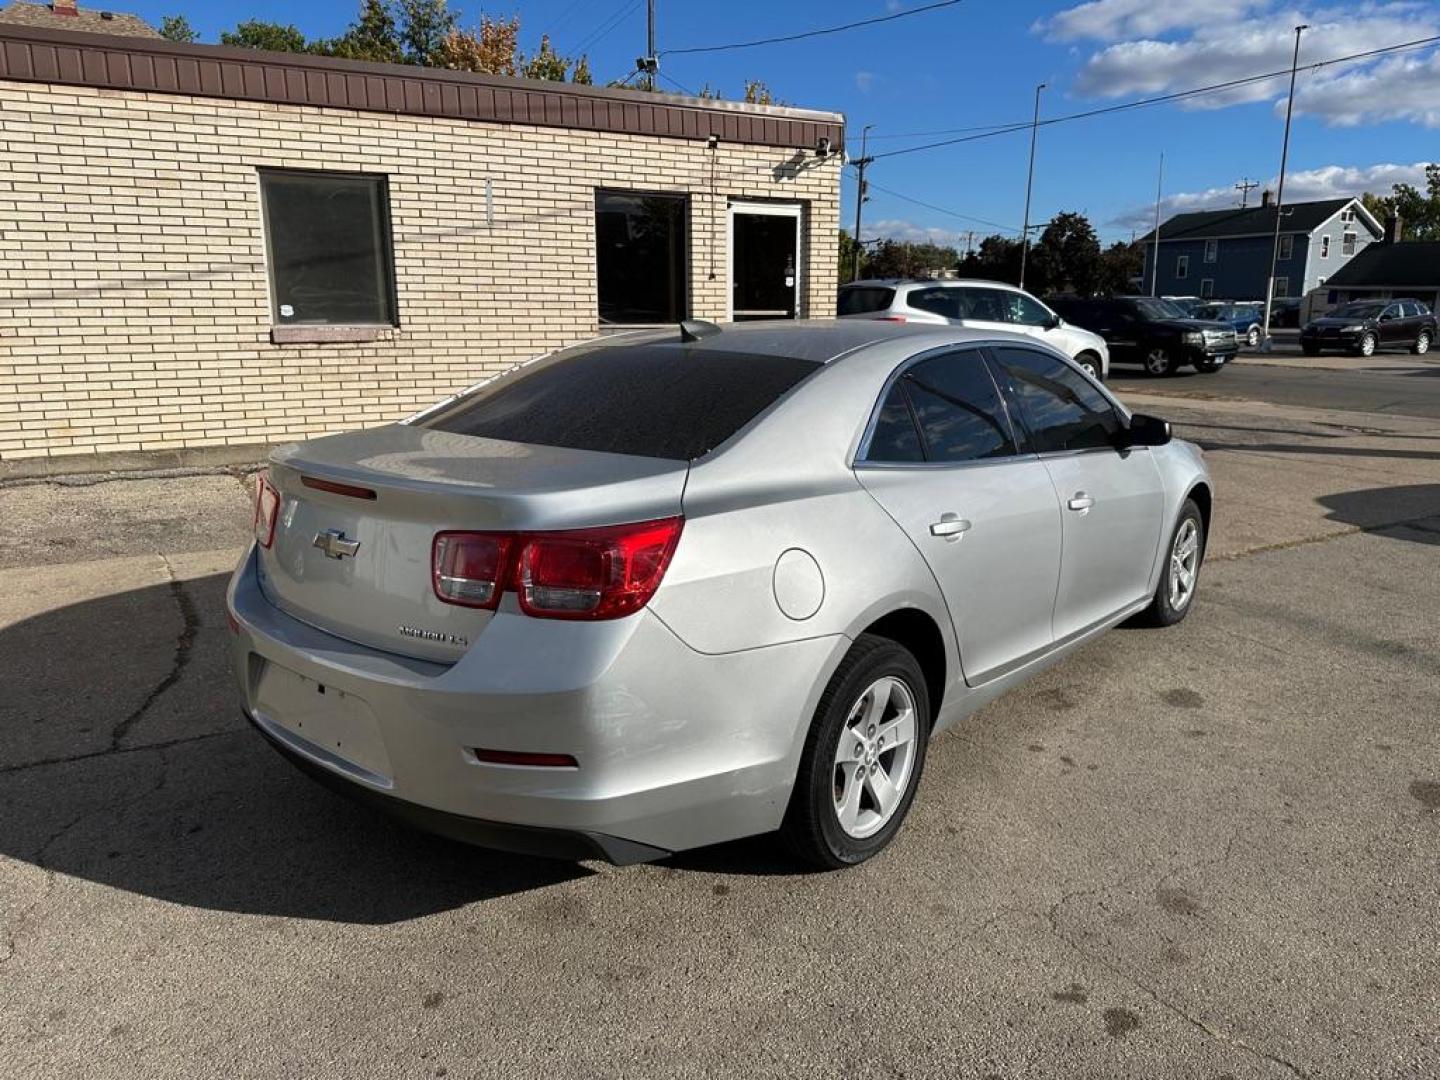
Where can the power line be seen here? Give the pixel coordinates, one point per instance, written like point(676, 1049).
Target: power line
point(606, 27)
point(949, 131)
point(812, 33)
point(1162, 98)
point(678, 85)
point(941, 209)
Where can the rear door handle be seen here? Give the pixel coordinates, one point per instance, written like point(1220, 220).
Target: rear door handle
point(950, 526)
point(1080, 501)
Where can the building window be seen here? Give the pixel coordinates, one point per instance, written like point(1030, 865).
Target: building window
point(1347, 216)
point(1287, 246)
point(640, 260)
point(1212, 250)
point(327, 238)
point(1347, 243)
point(1282, 287)
point(1207, 288)
point(1182, 267)
point(1325, 246)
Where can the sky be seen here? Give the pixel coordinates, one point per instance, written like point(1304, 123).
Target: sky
point(1359, 125)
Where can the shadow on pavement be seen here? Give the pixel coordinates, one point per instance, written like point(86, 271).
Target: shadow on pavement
point(131, 767)
point(1416, 505)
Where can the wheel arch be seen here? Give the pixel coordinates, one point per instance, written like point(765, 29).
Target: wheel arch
point(1205, 499)
point(920, 634)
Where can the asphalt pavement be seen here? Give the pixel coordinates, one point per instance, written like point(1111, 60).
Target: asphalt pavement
point(1201, 852)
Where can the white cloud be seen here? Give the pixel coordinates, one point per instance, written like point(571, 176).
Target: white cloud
point(908, 231)
point(1156, 48)
point(864, 81)
point(1326, 182)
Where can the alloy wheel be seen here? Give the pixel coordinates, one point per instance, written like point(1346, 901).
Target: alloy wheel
point(1157, 362)
point(875, 757)
point(1422, 344)
point(1184, 564)
point(1367, 345)
point(1253, 337)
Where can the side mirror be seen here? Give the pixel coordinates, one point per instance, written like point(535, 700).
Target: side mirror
point(1053, 322)
point(1146, 431)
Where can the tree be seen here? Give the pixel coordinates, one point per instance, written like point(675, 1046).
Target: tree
point(1067, 257)
point(757, 93)
point(424, 25)
point(490, 49)
point(997, 259)
point(1120, 264)
point(848, 248)
point(272, 37)
point(372, 36)
point(899, 258)
point(177, 28)
point(1419, 213)
point(550, 66)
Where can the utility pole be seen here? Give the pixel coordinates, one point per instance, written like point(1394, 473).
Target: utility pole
point(861, 194)
point(1246, 186)
point(969, 241)
point(1280, 189)
point(1029, 184)
point(1155, 263)
point(649, 64)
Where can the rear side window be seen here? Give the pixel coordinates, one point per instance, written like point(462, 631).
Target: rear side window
point(1060, 408)
point(940, 301)
point(663, 401)
point(863, 299)
point(945, 409)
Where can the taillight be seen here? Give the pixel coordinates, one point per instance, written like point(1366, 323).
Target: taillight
point(602, 573)
point(267, 511)
point(595, 573)
point(469, 568)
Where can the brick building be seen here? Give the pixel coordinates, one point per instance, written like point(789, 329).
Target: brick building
point(210, 247)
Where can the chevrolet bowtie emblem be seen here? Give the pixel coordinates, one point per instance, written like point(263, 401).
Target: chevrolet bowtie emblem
point(333, 543)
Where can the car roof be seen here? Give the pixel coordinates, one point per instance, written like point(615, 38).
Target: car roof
point(927, 283)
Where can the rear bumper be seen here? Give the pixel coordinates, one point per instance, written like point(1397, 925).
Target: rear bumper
point(676, 748)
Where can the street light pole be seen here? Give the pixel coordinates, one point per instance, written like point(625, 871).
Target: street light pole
point(1280, 189)
point(1155, 261)
point(860, 165)
point(1029, 184)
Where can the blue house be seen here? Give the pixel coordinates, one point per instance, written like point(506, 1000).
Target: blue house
point(1226, 253)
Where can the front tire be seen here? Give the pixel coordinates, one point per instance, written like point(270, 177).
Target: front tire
point(1180, 577)
point(863, 757)
point(1253, 337)
point(1422, 343)
point(1090, 364)
point(1158, 361)
point(1367, 345)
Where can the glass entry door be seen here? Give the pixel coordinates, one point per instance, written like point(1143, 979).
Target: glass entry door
point(764, 261)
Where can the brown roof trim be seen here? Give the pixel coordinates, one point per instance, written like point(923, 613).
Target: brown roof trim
point(33, 54)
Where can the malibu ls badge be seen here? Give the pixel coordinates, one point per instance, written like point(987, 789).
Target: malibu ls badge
point(333, 543)
point(432, 635)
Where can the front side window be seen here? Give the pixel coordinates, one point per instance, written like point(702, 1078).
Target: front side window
point(1060, 408)
point(1182, 267)
point(1212, 250)
point(640, 260)
point(1024, 311)
point(982, 305)
point(945, 409)
point(1287, 246)
point(328, 248)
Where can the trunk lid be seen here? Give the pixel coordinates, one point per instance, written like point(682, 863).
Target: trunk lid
point(380, 593)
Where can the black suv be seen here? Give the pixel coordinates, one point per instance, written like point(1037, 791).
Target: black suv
point(1362, 326)
point(1151, 332)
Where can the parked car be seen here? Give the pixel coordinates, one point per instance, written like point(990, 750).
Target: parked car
point(984, 305)
point(1245, 319)
point(1188, 305)
point(1363, 326)
point(1284, 312)
point(1153, 333)
point(664, 590)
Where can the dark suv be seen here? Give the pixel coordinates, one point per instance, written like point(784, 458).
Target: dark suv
point(1151, 332)
point(1362, 326)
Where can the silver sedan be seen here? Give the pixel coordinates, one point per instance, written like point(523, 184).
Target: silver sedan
point(669, 589)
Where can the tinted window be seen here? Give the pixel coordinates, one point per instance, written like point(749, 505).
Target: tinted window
point(664, 401)
point(1059, 406)
point(862, 299)
point(328, 237)
point(957, 407)
point(640, 257)
point(1422, 309)
point(939, 301)
point(1358, 311)
point(1025, 311)
point(982, 305)
point(1150, 308)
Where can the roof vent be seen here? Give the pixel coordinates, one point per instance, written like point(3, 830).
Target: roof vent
point(695, 329)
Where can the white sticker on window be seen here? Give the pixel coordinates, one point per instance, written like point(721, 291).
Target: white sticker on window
point(286, 311)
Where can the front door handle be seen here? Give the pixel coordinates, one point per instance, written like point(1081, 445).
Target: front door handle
point(1080, 501)
point(950, 526)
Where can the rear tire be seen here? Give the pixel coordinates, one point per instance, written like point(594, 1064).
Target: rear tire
point(1422, 343)
point(1180, 576)
point(852, 793)
point(1158, 361)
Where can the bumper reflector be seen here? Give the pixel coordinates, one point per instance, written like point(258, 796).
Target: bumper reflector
point(516, 757)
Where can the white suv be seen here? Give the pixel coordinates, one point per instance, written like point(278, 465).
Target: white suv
point(985, 305)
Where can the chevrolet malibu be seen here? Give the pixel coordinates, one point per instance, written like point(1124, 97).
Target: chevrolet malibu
point(669, 589)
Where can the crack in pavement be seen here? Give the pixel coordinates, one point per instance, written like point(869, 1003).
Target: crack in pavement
point(42, 763)
point(1420, 524)
point(184, 642)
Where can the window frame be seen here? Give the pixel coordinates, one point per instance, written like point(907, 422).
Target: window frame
point(860, 458)
point(1325, 246)
point(1282, 288)
point(1212, 251)
point(385, 230)
point(1207, 288)
point(998, 373)
point(1349, 244)
point(1182, 267)
point(687, 252)
point(1287, 247)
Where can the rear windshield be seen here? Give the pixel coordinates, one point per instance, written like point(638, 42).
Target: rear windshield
point(661, 401)
point(863, 299)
